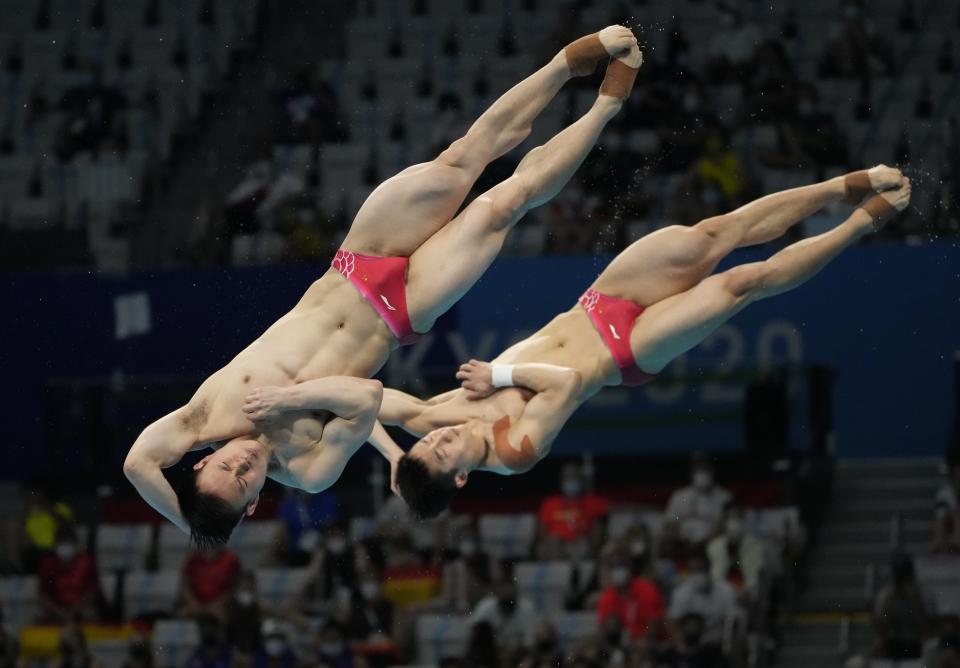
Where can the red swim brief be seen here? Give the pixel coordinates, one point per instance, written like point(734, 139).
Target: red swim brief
point(613, 319)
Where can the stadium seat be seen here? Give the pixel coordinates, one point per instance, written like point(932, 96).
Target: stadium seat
point(573, 628)
point(19, 597)
point(253, 541)
point(123, 546)
point(546, 583)
point(148, 593)
point(508, 536)
point(278, 587)
point(622, 519)
point(174, 642)
point(173, 545)
point(440, 636)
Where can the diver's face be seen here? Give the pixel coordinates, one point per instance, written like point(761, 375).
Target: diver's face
point(235, 473)
point(444, 450)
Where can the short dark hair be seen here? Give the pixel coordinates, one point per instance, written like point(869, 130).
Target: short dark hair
point(211, 519)
point(426, 493)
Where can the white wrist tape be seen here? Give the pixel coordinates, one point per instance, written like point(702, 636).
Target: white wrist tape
point(502, 375)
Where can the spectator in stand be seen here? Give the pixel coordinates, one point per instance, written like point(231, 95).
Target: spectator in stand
point(138, 653)
point(467, 576)
point(946, 536)
point(245, 616)
point(943, 650)
point(634, 600)
point(331, 648)
point(721, 167)
point(697, 510)
point(334, 567)
point(808, 136)
point(512, 617)
point(855, 48)
point(303, 516)
point(900, 614)
point(482, 649)
point(89, 117)
point(571, 523)
point(67, 583)
point(213, 651)
point(714, 601)
point(276, 651)
point(208, 582)
point(74, 652)
point(737, 555)
point(371, 617)
point(41, 519)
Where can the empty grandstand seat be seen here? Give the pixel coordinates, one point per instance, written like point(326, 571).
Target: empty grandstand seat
point(278, 587)
point(173, 642)
point(574, 628)
point(546, 583)
point(440, 636)
point(123, 546)
point(254, 540)
point(509, 536)
point(109, 652)
point(173, 545)
point(935, 570)
point(146, 593)
point(19, 597)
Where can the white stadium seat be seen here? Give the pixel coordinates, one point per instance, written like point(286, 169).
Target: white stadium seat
point(173, 642)
point(440, 636)
point(123, 546)
point(279, 587)
point(146, 593)
point(508, 536)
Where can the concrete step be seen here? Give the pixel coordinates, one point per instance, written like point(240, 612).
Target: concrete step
point(878, 506)
point(809, 656)
point(820, 598)
point(887, 490)
point(874, 532)
point(907, 466)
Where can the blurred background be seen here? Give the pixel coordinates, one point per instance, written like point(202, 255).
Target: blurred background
point(174, 173)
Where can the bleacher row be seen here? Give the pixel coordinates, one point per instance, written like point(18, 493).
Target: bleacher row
point(123, 551)
point(408, 43)
point(175, 61)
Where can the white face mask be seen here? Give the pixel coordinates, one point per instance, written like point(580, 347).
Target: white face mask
point(331, 648)
point(468, 548)
point(571, 487)
point(66, 551)
point(337, 545)
point(370, 589)
point(619, 576)
point(702, 479)
point(734, 528)
point(638, 547)
point(274, 646)
point(245, 597)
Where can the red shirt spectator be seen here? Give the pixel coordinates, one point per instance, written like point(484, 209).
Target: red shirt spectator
point(637, 606)
point(571, 517)
point(69, 582)
point(211, 576)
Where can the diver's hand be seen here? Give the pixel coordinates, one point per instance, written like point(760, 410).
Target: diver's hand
point(264, 404)
point(477, 379)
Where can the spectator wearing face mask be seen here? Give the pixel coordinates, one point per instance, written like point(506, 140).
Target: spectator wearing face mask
point(245, 616)
point(715, 601)
point(276, 651)
point(335, 564)
point(633, 599)
point(331, 648)
point(67, 583)
point(371, 615)
point(42, 517)
point(737, 555)
point(74, 651)
point(513, 617)
point(697, 509)
point(138, 654)
point(208, 581)
point(571, 522)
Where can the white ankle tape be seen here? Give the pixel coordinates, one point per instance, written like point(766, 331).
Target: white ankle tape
point(502, 375)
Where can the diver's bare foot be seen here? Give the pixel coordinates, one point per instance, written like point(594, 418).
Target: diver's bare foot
point(899, 197)
point(883, 207)
point(884, 178)
point(632, 58)
point(617, 40)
